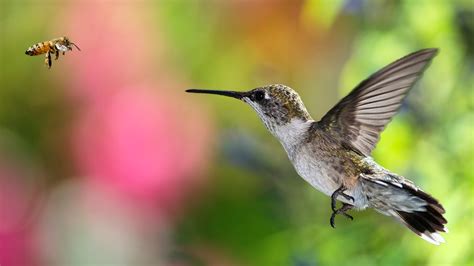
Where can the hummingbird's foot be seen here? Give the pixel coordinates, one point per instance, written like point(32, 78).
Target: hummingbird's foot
point(337, 193)
point(345, 207)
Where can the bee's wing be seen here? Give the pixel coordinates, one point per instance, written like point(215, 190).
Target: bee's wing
point(62, 48)
point(360, 117)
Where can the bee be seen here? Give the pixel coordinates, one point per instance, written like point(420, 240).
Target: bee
point(54, 46)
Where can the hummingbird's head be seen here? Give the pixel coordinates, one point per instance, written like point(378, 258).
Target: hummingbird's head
point(276, 105)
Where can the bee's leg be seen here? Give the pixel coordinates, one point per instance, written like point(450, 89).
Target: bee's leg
point(48, 61)
point(345, 207)
point(57, 55)
point(64, 53)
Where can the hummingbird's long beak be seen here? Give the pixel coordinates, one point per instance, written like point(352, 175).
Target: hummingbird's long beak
point(234, 94)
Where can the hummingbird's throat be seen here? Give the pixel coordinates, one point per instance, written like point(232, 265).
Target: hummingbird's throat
point(292, 133)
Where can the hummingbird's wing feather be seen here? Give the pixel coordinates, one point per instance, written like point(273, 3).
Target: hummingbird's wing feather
point(361, 116)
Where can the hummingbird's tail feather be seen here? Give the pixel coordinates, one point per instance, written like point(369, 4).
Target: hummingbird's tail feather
point(425, 223)
point(417, 210)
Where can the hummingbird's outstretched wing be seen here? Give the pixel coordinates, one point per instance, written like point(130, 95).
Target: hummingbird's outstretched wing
point(360, 117)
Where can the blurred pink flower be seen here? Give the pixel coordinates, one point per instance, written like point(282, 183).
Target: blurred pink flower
point(138, 143)
point(134, 131)
point(17, 243)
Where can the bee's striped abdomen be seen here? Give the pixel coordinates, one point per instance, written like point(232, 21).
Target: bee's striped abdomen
point(40, 48)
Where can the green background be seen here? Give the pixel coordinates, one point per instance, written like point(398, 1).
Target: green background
point(255, 210)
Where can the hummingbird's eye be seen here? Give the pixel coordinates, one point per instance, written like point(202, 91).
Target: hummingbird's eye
point(259, 95)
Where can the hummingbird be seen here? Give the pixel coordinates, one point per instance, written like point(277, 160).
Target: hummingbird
point(334, 154)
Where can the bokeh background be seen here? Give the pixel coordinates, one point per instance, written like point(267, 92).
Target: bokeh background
point(104, 160)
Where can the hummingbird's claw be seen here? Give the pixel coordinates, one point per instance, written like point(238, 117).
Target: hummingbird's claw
point(348, 216)
point(345, 207)
point(339, 192)
point(348, 197)
point(331, 220)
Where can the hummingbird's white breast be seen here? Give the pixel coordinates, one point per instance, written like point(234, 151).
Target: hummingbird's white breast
point(320, 174)
point(316, 168)
point(303, 159)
